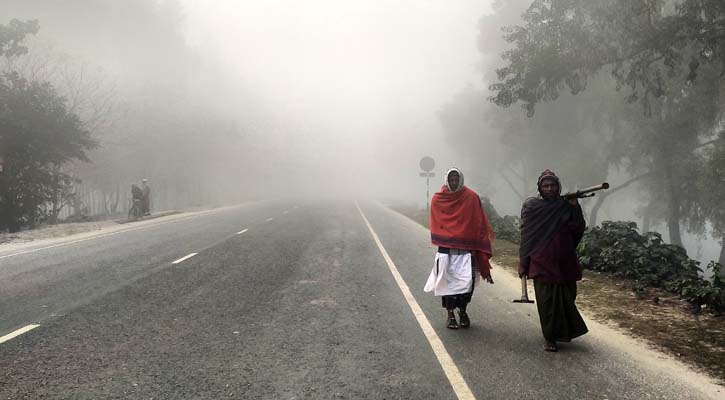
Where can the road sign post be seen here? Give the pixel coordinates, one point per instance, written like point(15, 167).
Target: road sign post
point(427, 164)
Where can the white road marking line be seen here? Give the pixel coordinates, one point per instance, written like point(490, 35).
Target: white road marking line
point(186, 257)
point(270, 219)
point(242, 231)
point(104, 235)
point(17, 333)
point(460, 387)
point(285, 212)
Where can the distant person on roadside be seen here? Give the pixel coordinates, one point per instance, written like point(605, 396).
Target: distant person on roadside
point(551, 228)
point(136, 192)
point(460, 229)
point(136, 201)
point(146, 201)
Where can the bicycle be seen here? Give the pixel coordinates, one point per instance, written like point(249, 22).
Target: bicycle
point(135, 213)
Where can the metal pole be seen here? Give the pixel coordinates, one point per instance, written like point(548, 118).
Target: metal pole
point(427, 194)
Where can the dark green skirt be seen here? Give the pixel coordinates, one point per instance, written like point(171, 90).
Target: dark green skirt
point(560, 320)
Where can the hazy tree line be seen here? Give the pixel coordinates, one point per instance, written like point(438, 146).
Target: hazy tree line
point(624, 89)
point(74, 135)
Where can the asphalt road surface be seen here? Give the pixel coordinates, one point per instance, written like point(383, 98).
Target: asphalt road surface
point(288, 300)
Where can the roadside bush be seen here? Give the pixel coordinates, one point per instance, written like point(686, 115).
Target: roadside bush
point(506, 227)
point(618, 248)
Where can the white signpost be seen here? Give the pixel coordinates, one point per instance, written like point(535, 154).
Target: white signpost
point(427, 164)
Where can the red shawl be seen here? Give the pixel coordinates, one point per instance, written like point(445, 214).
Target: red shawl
point(457, 221)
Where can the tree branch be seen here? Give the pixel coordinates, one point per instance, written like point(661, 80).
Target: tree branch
point(511, 185)
point(627, 183)
point(720, 139)
point(514, 172)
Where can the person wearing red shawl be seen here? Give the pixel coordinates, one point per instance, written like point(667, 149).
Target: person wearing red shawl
point(459, 227)
point(551, 229)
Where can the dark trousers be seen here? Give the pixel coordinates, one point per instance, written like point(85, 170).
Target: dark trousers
point(459, 301)
point(559, 317)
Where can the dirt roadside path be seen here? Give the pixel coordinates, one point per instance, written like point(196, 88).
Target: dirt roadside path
point(655, 319)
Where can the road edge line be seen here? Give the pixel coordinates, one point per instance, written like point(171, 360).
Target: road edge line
point(18, 332)
point(460, 387)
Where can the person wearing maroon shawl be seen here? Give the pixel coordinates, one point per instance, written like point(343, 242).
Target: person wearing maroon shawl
point(459, 227)
point(551, 228)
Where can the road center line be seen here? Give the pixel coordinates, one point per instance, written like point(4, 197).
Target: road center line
point(270, 219)
point(186, 257)
point(460, 387)
point(242, 231)
point(17, 333)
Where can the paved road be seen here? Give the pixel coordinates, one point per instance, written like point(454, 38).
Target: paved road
point(302, 304)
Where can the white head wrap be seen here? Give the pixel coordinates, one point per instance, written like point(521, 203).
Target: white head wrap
point(460, 181)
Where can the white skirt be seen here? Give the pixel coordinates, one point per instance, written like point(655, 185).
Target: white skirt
point(451, 274)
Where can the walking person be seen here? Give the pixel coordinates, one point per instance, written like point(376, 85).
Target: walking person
point(459, 227)
point(551, 229)
point(136, 210)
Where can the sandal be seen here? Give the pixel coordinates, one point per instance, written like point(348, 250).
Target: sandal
point(551, 346)
point(465, 321)
point(452, 323)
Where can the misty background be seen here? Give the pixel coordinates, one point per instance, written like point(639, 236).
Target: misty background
point(217, 102)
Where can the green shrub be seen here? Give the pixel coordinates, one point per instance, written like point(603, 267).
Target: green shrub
point(618, 248)
point(506, 227)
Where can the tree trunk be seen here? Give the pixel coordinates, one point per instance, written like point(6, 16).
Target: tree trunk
point(105, 203)
point(116, 198)
point(673, 212)
point(595, 210)
point(57, 208)
point(646, 220)
point(13, 225)
point(721, 260)
point(673, 226)
point(9, 218)
point(673, 197)
point(78, 201)
point(603, 196)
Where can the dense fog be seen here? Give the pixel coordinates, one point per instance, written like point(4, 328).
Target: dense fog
point(329, 93)
point(219, 102)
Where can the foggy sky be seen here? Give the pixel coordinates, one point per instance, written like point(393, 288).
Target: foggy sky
point(341, 90)
point(362, 80)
